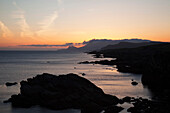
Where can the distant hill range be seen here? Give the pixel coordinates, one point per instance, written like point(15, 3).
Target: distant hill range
point(122, 45)
point(102, 44)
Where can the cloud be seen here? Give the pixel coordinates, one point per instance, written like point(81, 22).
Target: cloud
point(46, 45)
point(44, 23)
point(60, 1)
point(5, 31)
point(63, 45)
point(22, 23)
point(47, 22)
point(19, 15)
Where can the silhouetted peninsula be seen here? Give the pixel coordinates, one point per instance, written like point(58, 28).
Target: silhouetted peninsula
point(152, 61)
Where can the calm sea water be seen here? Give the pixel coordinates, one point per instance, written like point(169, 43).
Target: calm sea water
point(20, 65)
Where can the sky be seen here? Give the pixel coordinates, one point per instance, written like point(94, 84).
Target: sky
point(59, 22)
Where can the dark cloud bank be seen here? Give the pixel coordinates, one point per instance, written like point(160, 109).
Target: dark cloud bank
point(83, 43)
point(46, 45)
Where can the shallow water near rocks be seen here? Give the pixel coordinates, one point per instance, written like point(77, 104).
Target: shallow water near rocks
point(20, 65)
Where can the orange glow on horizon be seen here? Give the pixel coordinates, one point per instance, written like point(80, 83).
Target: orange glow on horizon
point(16, 43)
point(68, 21)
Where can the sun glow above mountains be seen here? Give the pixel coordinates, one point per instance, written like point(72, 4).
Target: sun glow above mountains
point(57, 22)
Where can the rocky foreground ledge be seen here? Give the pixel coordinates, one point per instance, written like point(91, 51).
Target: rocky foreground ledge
point(64, 92)
point(74, 92)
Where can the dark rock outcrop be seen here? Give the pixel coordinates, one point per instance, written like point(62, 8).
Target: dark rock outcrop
point(141, 105)
point(62, 92)
point(10, 83)
point(113, 109)
point(151, 61)
point(134, 83)
point(127, 99)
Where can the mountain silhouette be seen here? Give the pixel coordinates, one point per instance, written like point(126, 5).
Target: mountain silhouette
point(97, 44)
point(128, 45)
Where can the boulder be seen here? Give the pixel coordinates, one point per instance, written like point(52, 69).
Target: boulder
point(127, 99)
point(10, 83)
point(113, 109)
point(134, 83)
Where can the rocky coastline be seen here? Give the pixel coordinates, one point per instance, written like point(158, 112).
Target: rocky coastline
point(151, 61)
point(74, 92)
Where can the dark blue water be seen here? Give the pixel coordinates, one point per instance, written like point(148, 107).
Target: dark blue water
point(20, 65)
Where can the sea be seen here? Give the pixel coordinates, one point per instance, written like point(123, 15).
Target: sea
point(16, 66)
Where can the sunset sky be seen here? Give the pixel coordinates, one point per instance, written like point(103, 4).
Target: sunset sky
point(27, 22)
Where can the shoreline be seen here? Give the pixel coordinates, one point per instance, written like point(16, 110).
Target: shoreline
point(96, 104)
point(151, 61)
point(98, 68)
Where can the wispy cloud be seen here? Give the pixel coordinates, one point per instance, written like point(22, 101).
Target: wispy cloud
point(6, 33)
point(60, 1)
point(19, 14)
point(44, 24)
point(22, 23)
point(47, 22)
